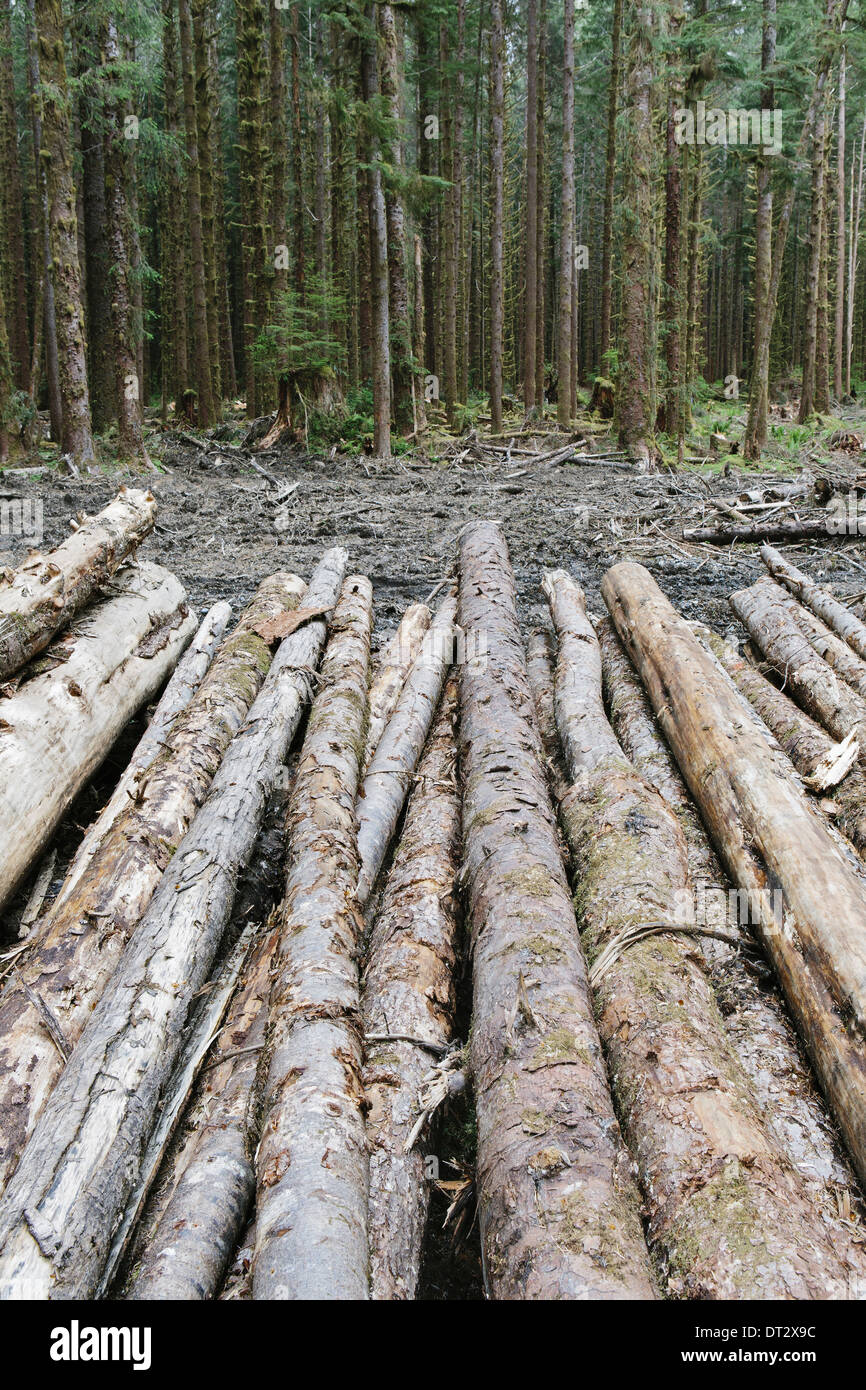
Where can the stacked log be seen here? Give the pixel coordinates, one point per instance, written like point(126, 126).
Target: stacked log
point(558, 1207)
point(808, 901)
point(81, 1162)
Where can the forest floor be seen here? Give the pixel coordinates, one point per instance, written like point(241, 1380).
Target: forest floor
point(222, 526)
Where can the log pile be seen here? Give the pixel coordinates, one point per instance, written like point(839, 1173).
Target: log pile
point(594, 894)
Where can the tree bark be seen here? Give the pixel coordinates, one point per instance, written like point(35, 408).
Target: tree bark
point(635, 396)
point(558, 1208)
point(312, 1164)
point(392, 767)
point(609, 183)
point(198, 268)
point(839, 324)
point(837, 617)
point(15, 286)
point(81, 1162)
point(378, 223)
point(409, 989)
point(497, 185)
point(391, 68)
point(761, 531)
point(391, 672)
point(770, 841)
point(60, 725)
point(82, 937)
point(530, 243)
point(564, 345)
point(46, 593)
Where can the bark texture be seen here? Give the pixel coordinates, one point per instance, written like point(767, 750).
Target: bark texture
point(57, 728)
point(312, 1167)
point(837, 617)
point(391, 671)
point(558, 1207)
point(409, 991)
point(83, 936)
point(392, 768)
point(47, 592)
point(82, 1160)
point(807, 899)
point(729, 1216)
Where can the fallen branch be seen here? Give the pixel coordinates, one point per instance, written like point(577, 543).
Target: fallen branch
point(760, 531)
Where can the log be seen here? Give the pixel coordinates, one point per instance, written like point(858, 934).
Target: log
point(82, 937)
point(57, 729)
point(81, 1162)
point(558, 1206)
point(388, 778)
point(760, 532)
point(834, 651)
point(47, 592)
point(728, 1215)
point(771, 843)
point(755, 1017)
point(540, 663)
point(769, 615)
point(837, 617)
point(409, 994)
point(311, 1167)
point(188, 676)
point(187, 1252)
point(393, 667)
point(804, 741)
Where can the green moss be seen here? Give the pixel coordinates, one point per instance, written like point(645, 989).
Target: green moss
point(534, 880)
point(555, 1048)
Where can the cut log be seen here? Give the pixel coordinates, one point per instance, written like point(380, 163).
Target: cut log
point(808, 901)
point(312, 1167)
point(82, 1160)
point(540, 664)
point(728, 1215)
point(837, 617)
point(82, 938)
point(408, 995)
point(769, 614)
point(188, 676)
point(214, 1179)
point(558, 1205)
point(387, 780)
point(47, 592)
point(834, 651)
point(758, 533)
point(804, 741)
point(56, 730)
point(756, 1019)
point(392, 669)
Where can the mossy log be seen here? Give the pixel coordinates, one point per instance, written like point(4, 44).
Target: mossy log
point(57, 727)
point(82, 937)
point(756, 1018)
point(540, 665)
point(311, 1166)
point(558, 1206)
point(728, 1215)
point(47, 592)
point(770, 616)
point(213, 1178)
point(390, 673)
point(837, 617)
point(808, 901)
point(758, 532)
point(188, 676)
point(82, 1161)
point(392, 767)
point(807, 745)
point(407, 1002)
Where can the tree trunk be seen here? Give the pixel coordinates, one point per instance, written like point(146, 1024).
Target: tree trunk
point(391, 672)
point(69, 968)
point(564, 345)
point(82, 1160)
point(497, 181)
point(187, 1253)
point(15, 283)
point(47, 592)
point(635, 399)
point(822, 332)
point(312, 1165)
point(409, 990)
point(558, 1210)
point(530, 243)
point(174, 300)
point(198, 266)
point(609, 183)
point(60, 725)
point(402, 374)
point(381, 351)
point(392, 767)
point(204, 114)
point(839, 326)
point(674, 423)
point(837, 617)
point(56, 158)
point(807, 898)
point(710, 1169)
point(542, 205)
point(756, 428)
point(279, 142)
